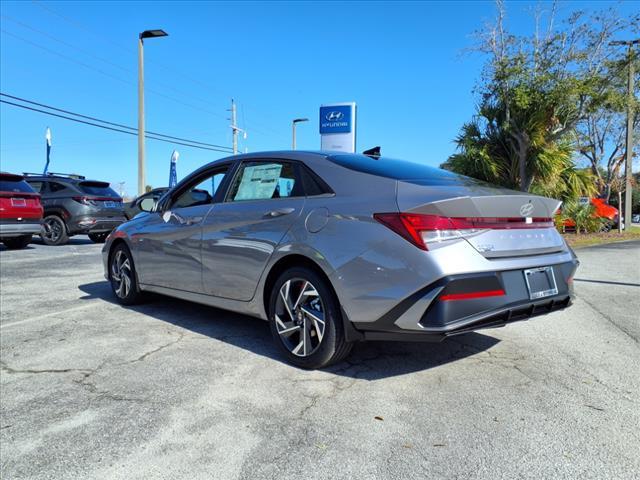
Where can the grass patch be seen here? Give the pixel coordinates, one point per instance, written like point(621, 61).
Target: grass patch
point(590, 239)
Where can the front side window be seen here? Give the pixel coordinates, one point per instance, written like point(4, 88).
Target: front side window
point(264, 180)
point(203, 191)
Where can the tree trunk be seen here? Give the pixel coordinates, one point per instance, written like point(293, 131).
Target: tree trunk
point(523, 148)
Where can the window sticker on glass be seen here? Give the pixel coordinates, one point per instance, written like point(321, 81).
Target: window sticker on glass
point(259, 182)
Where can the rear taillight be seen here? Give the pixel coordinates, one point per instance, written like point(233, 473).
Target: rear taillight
point(421, 229)
point(85, 201)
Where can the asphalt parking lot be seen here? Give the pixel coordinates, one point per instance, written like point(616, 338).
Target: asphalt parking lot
point(90, 389)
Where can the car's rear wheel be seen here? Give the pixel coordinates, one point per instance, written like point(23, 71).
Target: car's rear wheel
point(98, 237)
point(54, 231)
point(16, 243)
point(122, 276)
point(305, 320)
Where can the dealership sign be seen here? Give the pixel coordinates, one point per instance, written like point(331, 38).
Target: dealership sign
point(338, 127)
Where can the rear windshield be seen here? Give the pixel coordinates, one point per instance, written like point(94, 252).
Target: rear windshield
point(11, 186)
point(99, 189)
point(402, 170)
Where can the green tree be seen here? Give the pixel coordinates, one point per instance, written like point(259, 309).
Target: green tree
point(601, 132)
point(534, 91)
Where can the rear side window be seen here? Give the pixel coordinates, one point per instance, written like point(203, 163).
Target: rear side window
point(98, 189)
point(15, 186)
point(313, 184)
point(56, 187)
point(263, 181)
point(403, 170)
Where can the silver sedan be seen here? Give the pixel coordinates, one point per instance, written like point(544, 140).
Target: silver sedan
point(332, 249)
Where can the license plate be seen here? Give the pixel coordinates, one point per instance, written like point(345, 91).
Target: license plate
point(541, 282)
point(110, 204)
point(18, 202)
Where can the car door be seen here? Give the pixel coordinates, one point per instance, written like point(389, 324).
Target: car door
point(168, 241)
point(264, 199)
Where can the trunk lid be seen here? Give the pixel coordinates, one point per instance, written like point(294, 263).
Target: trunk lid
point(510, 223)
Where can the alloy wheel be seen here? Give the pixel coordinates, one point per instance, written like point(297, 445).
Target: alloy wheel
point(52, 229)
point(121, 275)
point(300, 317)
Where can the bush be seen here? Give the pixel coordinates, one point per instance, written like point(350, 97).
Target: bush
point(583, 215)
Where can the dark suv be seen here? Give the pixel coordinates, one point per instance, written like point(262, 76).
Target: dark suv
point(74, 205)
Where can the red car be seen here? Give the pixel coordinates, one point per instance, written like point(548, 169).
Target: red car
point(603, 210)
point(20, 211)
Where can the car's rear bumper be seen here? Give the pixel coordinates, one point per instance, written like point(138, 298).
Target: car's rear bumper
point(92, 224)
point(424, 316)
point(18, 229)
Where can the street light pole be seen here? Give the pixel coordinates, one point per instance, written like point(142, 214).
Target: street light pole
point(293, 130)
point(141, 130)
point(629, 140)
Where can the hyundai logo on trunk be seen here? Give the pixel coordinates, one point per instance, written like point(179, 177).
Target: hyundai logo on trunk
point(526, 210)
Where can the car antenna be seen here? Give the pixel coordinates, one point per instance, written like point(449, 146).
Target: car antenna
point(373, 153)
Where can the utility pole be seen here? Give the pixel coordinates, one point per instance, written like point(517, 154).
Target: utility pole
point(629, 142)
point(234, 127)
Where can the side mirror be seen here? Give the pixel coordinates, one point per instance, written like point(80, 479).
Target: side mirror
point(147, 204)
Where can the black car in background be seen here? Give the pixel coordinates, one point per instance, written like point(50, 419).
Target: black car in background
point(132, 208)
point(74, 205)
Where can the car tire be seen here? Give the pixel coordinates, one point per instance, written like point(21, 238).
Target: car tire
point(98, 237)
point(122, 276)
point(54, 231)
point(306, 321)
point(16, 243)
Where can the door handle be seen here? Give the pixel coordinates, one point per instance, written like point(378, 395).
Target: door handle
point(280, 211)
point(181, 220)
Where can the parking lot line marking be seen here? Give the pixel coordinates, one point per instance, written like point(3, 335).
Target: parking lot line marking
point(46, 315)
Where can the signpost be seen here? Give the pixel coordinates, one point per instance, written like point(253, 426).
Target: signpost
point(338, 127)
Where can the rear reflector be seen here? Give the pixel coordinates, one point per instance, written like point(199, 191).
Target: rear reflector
point(422, 229)
point(471, 295)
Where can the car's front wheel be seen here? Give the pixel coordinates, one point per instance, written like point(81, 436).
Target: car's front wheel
point(54, 231)
point(16, 243)
point(122, 276)
point(98, 237)
point(305, 320)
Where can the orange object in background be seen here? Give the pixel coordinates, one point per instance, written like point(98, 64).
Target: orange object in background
point(603, 210)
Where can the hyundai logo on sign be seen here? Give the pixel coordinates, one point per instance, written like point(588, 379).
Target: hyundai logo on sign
point(335, 119)
point(334, 116)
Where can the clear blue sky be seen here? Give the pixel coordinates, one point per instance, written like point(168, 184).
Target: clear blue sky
point(403, 63)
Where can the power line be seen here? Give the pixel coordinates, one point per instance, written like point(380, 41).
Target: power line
point(109, 123)
point(78, 25)
point(151, 137)
point(102, 72)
